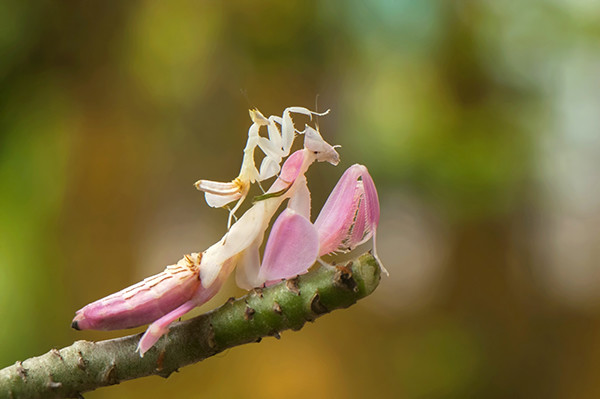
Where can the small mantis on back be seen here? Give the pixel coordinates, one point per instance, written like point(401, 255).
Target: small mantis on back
point(275, 148)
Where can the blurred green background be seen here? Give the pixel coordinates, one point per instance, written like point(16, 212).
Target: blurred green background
point(479, 121)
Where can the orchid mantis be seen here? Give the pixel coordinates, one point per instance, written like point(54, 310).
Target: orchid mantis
point(349, 217)
point(275, 148)
point(196, 278)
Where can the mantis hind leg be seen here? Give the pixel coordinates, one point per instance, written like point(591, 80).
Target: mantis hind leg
point(161, 326)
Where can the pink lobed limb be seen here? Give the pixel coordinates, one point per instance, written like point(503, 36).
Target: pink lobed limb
point(161, 326)
point(336, 217)
point(289, 171)
point(291, 249)
point(372, 212)
point(350, 215)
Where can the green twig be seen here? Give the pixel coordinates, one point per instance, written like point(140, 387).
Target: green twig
point(85, 365)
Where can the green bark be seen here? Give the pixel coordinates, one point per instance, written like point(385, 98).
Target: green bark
point(85, 365)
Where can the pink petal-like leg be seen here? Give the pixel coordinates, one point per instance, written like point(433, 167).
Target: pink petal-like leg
point(290, 171)
point(292, 247)
point(161, 326)
point(350, 215)
point(337, 216)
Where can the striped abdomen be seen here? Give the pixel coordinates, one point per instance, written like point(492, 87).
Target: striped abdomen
point(145, 301)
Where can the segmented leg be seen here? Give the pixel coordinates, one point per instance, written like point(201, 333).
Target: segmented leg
point(161, 327)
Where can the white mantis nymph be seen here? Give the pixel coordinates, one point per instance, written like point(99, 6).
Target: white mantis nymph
point(275, 148)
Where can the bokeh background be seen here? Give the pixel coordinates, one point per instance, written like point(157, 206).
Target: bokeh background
point(479, 121)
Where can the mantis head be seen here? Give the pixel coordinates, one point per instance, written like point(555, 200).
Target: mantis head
point(322, 150)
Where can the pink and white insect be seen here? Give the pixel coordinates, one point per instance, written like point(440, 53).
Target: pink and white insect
point(349, 218)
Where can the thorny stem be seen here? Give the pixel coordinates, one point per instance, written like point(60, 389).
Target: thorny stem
point(85, 365)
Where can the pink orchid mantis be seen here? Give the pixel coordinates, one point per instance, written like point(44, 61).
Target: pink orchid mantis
point(163, 298)
point(349, 218)
point(275, 148)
